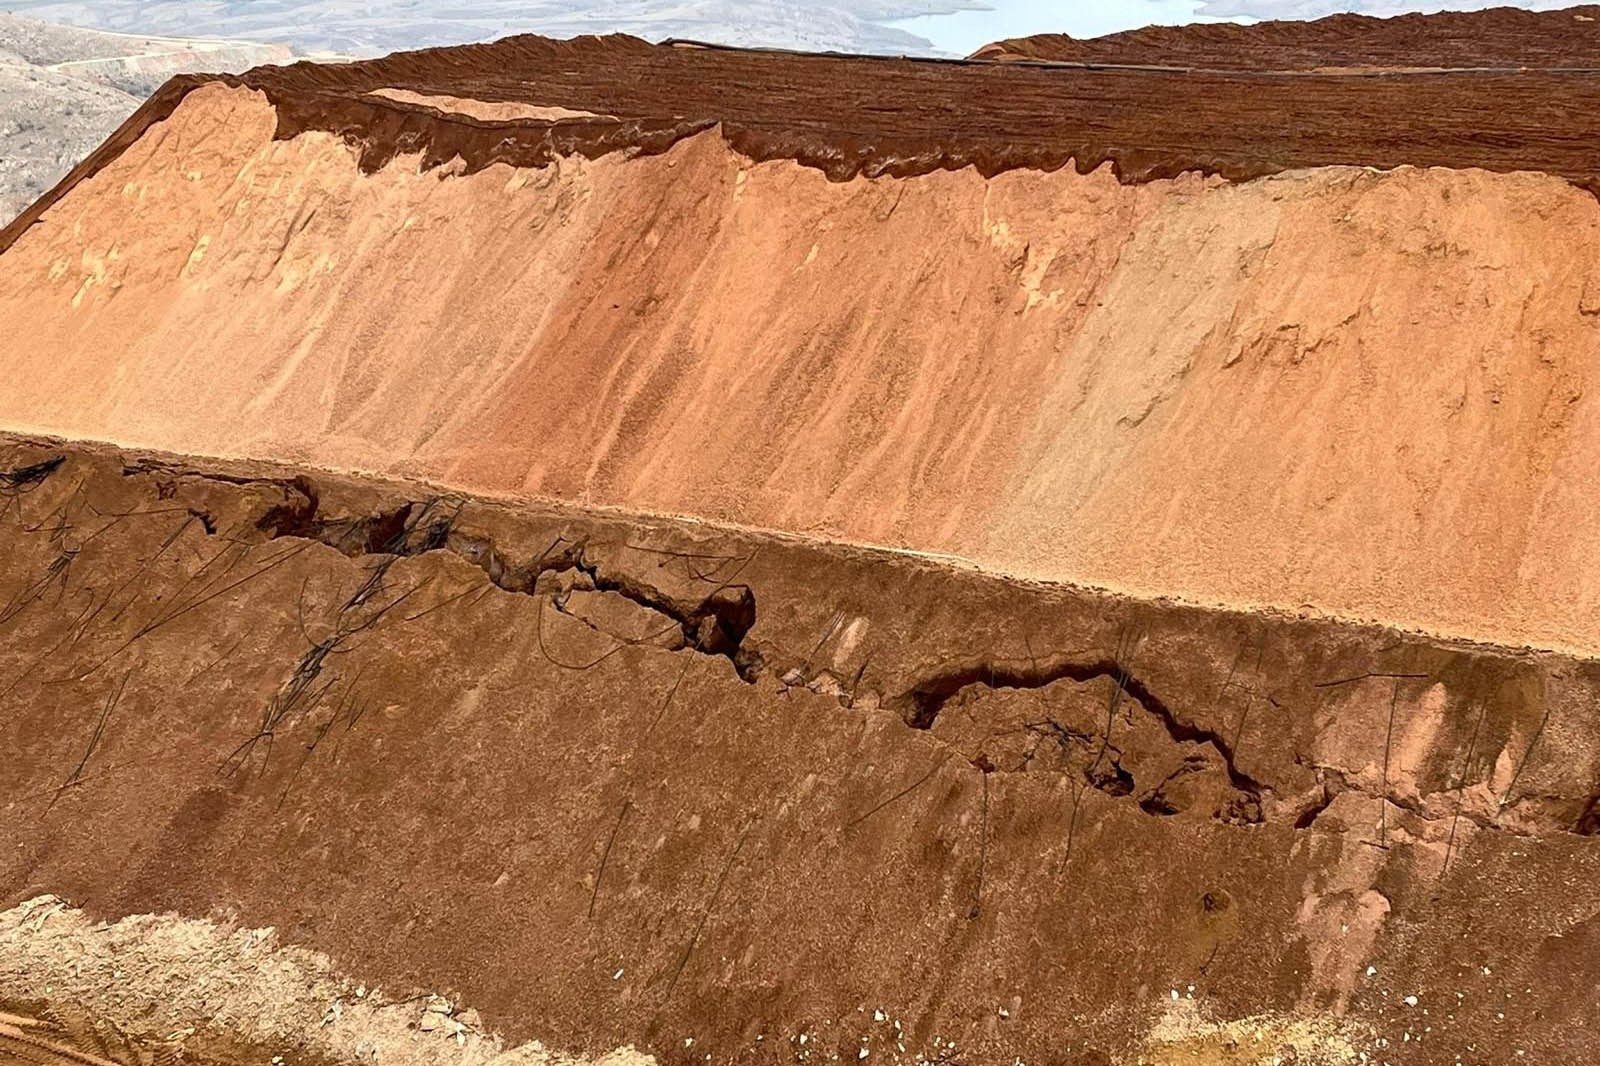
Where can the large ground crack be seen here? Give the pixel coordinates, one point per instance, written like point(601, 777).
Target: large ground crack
point(715, 624)
point(1133, 745)
point(921, 705)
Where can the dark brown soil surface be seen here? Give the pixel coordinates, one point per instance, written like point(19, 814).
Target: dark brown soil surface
point(859, 115)
point(1499, 37)
point(623, 780)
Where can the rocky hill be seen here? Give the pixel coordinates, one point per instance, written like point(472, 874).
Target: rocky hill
point(369, 27)
point(63, 90)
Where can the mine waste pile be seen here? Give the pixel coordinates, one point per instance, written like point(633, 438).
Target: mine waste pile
point(557, 552)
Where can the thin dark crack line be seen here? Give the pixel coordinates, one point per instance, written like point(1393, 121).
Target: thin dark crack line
point(983, 851)
point(1127, 652)
point(605, 856)
point(1461, 784)
point(152, 626)
point(621, 643)
point(144, 568)
point(290, 702)
point(217, 661)
point(1249, 698)
point(33, 665)
point(833, 627)
point(463, 594)
point(855, 686)
point(59, 571)
point(688, 560)
point(1527, 757)
point(705, 915)
point(852, 823)
point(667, 703)
point(1364, 677)
point(1383, 791)
point(94, 741)
point(347, 702)
point(1233, 668)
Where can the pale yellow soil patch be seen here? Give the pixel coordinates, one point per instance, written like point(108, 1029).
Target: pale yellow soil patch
point(178, 988)
point(488, 110)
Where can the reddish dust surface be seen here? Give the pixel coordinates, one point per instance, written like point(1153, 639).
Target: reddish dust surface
point(1366, 393)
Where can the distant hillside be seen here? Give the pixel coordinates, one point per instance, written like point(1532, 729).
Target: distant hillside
point(64, 89)
point(47, 122)
point(371, 27)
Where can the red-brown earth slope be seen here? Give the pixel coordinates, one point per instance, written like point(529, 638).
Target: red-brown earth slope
point(615, 780)
point(1296, 366)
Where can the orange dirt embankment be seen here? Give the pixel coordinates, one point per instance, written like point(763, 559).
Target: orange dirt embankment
point(1363, 392)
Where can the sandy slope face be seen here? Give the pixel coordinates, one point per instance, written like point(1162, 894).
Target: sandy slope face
point(1356, 391)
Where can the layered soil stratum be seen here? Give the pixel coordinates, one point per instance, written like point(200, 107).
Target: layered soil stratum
point(755, 557)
